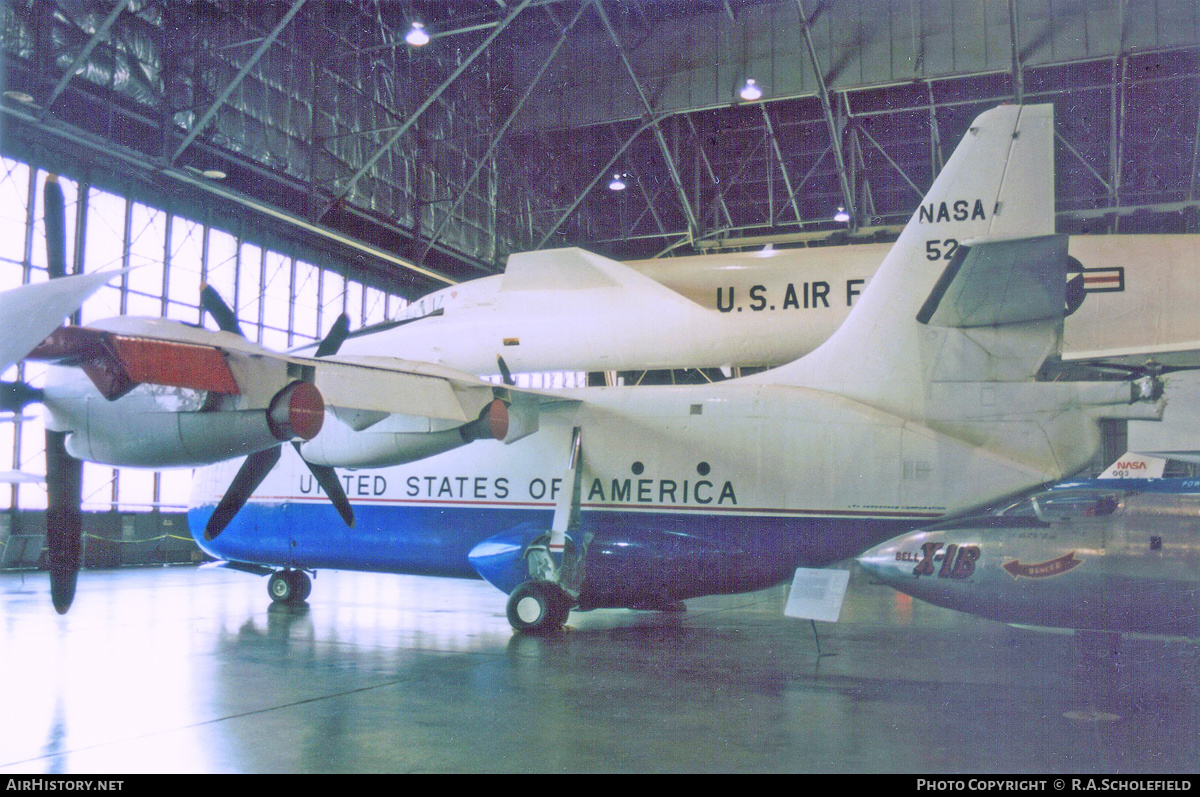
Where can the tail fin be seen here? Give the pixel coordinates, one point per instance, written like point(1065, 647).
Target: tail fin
point(1131, 465)
point(969, 292)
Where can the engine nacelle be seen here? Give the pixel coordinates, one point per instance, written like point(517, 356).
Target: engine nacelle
point(398, 439)
point(155, 427)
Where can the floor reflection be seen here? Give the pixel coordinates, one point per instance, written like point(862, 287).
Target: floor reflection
point(184, 670)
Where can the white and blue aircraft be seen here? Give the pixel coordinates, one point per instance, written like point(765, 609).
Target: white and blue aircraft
point(924, 403)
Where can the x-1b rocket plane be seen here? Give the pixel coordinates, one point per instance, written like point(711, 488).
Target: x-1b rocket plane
point(1120, 553)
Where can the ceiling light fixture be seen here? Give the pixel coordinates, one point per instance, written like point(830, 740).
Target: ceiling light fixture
point(841, 215)
point(210, 173)
point(417, 36)
point(750, 91)
point(19, 96)
point(617, 184)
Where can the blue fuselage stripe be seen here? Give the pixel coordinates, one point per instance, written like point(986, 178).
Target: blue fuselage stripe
point(435, 539)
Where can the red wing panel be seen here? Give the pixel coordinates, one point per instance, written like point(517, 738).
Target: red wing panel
point(164, 362)
point(117, 363)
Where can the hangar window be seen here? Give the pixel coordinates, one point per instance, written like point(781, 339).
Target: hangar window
point(280, 300)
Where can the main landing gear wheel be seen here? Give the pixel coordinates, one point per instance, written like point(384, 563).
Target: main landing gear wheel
point(538, 607)
point(289, 586)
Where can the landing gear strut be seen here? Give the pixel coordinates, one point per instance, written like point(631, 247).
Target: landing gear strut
point(538, 607)
point(289, 586)
point(553, 562)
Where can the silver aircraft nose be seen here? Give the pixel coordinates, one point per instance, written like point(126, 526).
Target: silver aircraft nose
point(893, 561)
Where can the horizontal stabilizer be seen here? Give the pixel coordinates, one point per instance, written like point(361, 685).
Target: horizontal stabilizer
point(991, 283)
point(574, 269)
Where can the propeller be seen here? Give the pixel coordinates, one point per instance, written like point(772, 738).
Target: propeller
point(221, 313)
point(256, 467)
point(1151, 368)
point(336, 337)
point(1146, 379)
point(505, 374)
point(64, 473)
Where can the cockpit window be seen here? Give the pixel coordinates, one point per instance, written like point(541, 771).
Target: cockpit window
point(1022, 508)
point(1072, 504)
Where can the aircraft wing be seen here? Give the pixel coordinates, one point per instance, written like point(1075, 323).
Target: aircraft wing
point(566, 271)
point(1141, 300)
point(33, 311)
point(123, 353)
point(248, 398)
point(377, 384)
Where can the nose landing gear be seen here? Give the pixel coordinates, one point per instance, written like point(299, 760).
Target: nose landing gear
point(538, 607)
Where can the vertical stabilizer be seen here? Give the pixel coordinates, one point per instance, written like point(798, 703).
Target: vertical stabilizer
point(998, 186)
point(1131, 465)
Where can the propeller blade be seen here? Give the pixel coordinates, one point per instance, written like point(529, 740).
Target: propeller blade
point(1150, 368)
point(15, 396)
point(249, 476)
point(64, 524)
point(55, 212)
point(225, 318)
point(327, 478)
point(504, 372)
point(64, 473)
point(336, 337)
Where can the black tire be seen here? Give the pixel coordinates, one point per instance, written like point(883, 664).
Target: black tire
point(302, 584)
point(538, 607)
point(289, 586)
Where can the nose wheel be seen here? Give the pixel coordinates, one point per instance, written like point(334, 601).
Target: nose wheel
point(289, 586)
point(538, 607)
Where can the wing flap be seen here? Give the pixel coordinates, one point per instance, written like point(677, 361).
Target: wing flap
point(118, 363)
point(375, 389)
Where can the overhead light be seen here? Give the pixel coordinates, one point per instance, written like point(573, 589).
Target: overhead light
point(617, 184)
point(19, 96)
point(417, 36)
point(212, 174)
point(841, 215)
point(750, 91)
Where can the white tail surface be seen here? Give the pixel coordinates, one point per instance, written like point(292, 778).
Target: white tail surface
point(997, 186)
point(1135, 466)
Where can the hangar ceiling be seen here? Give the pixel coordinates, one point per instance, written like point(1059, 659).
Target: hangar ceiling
point(420, 166)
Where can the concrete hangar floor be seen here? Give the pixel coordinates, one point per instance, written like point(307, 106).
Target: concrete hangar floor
point(192, 670)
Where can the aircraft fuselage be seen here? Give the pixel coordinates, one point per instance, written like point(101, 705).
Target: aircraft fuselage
point(682, 492)
point(1117, 558)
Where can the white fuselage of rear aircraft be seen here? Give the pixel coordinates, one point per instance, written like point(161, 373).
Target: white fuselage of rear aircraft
point(770, 307)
